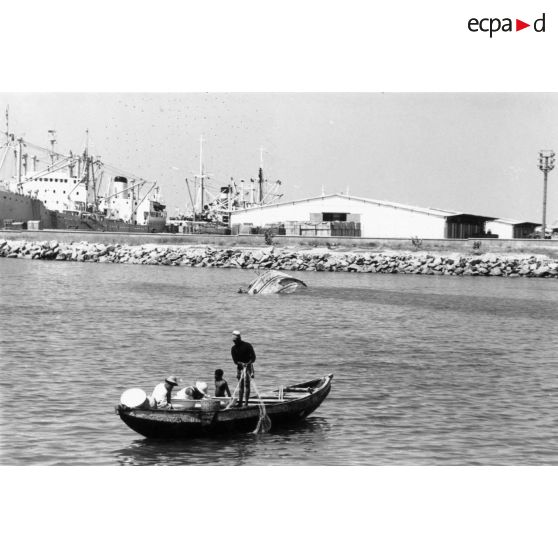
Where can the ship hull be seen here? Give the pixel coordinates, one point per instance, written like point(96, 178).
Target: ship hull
point(18, 208)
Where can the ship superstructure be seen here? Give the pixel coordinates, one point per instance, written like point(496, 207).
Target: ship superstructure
point(80, 189)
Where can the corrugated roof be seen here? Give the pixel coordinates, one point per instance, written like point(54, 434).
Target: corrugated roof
point(474, 216)
point(515, 222)
point(506, 221)
point(414, 209)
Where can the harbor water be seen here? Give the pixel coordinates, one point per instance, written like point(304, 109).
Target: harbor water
point(429, 370)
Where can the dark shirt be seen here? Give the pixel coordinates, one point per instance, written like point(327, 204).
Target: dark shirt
point(222, 388)
point(243, 352)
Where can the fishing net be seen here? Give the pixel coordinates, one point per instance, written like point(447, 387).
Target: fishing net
point(264, 422)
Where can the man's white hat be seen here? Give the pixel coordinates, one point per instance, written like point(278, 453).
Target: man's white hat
point(236, 332)
point(201, 386)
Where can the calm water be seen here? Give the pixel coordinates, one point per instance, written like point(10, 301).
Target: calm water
point(428, 370)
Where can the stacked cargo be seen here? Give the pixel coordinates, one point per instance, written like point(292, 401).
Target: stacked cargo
point(330, 228)
point(203, 227)
point(300, 228)
point(13, 225)
point(245, 228)
point(276, 229)
point(307, 229)
point(292, 228)
point(345, 228)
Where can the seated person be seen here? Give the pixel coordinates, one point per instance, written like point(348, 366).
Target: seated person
point(161, 396)
point(221, 386)
point(197, 391)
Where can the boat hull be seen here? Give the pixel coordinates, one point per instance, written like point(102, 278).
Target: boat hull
point(275, 282)
point(192, 423)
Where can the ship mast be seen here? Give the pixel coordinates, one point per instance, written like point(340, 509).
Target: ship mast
point(88, 166)
point(4, 155)
point(202, 178)
point(52, 140)
point(19, 161)
point(260, 178)
point(7, 124)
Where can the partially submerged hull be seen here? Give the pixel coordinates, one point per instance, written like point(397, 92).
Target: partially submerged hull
point(298, 402)
point(274, 282)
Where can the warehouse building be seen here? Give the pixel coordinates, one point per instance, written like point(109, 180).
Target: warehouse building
point(510, 228)
point(370, 218)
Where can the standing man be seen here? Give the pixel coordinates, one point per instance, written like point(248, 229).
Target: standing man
point(243, 356)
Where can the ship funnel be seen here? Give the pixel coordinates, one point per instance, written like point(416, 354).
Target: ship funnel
point(120, 185)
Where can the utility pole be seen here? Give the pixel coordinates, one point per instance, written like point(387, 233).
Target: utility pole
point(546, 164)
point(201, 175)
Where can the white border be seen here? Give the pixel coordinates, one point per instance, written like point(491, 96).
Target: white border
point(283, 46)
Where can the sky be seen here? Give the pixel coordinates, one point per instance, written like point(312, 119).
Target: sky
point(467, 152)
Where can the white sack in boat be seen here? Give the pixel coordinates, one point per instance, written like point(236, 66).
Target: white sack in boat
point(135, 398)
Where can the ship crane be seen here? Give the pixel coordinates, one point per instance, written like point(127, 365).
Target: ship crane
point(73, 195)
point(217, 207)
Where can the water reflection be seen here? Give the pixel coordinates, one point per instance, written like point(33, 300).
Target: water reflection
point(236, 449)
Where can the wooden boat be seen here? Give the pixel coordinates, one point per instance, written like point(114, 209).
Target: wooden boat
point(213, 416)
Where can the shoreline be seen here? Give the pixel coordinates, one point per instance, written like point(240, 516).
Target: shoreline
point(288, 259)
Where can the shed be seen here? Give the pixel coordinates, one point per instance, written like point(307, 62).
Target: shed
point(466, 225)
point(511, 228)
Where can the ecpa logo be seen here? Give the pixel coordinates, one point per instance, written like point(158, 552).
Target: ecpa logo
point(493, 25)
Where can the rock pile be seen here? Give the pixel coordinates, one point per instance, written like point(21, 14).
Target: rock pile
point(512, 265)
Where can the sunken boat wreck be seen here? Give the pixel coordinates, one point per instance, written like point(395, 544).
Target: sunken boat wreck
point(215, 416)
point(275, 282)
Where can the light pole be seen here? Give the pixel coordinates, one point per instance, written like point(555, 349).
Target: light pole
point(546, 164)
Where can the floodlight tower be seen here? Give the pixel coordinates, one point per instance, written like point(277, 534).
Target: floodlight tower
point(546, 164)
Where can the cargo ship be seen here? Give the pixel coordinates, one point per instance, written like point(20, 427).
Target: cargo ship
point(41, 188)
point(209, 207)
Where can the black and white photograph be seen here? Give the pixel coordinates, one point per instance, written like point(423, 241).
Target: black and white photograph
point(278, 278)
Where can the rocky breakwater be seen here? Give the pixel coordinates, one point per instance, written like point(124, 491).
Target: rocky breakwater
point(420, 263)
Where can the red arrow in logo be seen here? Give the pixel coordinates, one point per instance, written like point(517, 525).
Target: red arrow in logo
point(519, 25)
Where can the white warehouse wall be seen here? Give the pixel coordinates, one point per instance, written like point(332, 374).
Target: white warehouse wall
point(377, 220)
point(502, 229)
